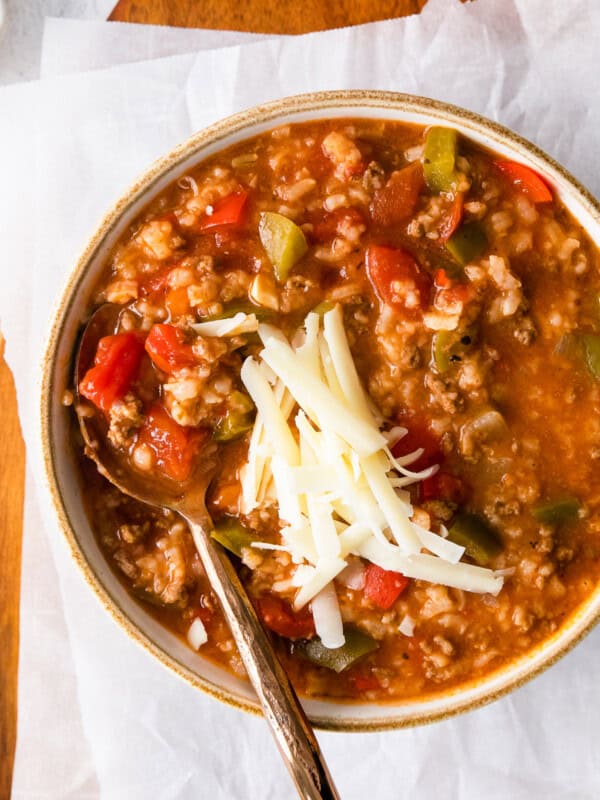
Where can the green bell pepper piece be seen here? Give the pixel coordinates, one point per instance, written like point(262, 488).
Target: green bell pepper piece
point(261, 314)
point(442, 342)
point(148, 597)
point(283, 241)
point(323, 308)
point(237, 420)
point(480, 541)
point(233, 535)
point(357, 645)
point(581, 346)
point(557, 511)
point(591, 346)
point(468, 243)
point(570, 346)
point(450, 346)
point(439, 159)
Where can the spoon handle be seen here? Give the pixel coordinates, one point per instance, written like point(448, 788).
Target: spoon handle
point(289, 725)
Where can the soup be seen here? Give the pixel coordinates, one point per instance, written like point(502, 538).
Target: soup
point(389, 340)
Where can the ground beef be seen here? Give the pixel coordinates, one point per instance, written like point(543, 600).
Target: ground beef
point(125, 417)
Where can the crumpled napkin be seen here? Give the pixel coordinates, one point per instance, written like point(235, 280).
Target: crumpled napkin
point(98, 718)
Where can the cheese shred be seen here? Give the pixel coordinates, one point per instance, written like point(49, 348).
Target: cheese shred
point(330, 470)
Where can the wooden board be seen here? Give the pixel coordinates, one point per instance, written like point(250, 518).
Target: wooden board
point(266, 16)
point(12, 476)
point(258, 16)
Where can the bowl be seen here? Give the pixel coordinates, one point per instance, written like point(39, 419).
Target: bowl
point(61, 466)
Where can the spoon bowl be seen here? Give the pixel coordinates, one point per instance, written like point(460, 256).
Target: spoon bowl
point(280, 705)
point(187, 499)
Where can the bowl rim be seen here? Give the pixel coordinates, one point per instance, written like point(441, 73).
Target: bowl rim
point(144, 184)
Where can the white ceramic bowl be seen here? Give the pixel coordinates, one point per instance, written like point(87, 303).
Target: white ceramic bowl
point(61, 467)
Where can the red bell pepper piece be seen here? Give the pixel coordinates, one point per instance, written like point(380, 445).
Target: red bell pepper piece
point(167, 348)
point(397, 200)
point(452, 219)
point(282, 620)
point(116, 366)
point(383, 587)
point(174, 446)
point(396, 278)
point(227, 211)
point(525, 179)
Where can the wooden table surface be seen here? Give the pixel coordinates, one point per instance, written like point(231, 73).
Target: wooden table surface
point(258, 16)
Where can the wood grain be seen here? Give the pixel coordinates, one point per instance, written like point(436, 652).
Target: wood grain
point(257, 16)
point(12, 476)
point(268, 16)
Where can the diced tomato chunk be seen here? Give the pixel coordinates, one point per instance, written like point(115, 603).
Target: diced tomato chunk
point(279, 617)
point(397, 279)
point(443, 486)
point(397, 200)
point(365, 683)
point(418, 436)
point(116, 366)
point(525, 179)
point(167, 348)
point(441, 279)
point(227, 211)
point(456, 293)
point(326, 225)
point(155, 284)
point(452, 219)
point(177, 301)
point(383, 587)
point(174, 446)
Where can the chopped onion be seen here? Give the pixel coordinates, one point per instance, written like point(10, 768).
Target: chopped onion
point(407, 626)
point(353, 577)
point(488, 425)
point(197, 635)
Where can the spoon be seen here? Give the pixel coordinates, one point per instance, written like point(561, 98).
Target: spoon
point(280, 705)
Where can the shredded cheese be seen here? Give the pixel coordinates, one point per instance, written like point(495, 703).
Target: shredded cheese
point(335, 336)
point(340, 491)
point(327, 617)
point(440, 545)
point(317, 400)
point(278, 431)
point(239, 323)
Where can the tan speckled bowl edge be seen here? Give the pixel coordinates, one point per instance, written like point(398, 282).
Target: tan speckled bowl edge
point(451, 702)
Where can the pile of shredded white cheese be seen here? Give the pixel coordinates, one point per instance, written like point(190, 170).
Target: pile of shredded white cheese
point(338, 488)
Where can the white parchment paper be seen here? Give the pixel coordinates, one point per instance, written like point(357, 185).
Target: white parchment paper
point(98, 718)
point(78, 45)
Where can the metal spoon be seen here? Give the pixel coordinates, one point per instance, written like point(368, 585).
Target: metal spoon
point(289, 725)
